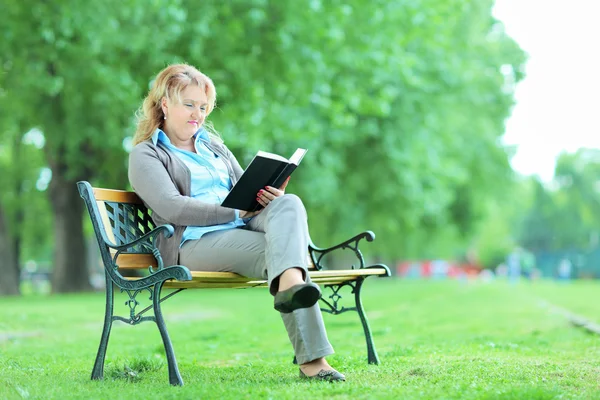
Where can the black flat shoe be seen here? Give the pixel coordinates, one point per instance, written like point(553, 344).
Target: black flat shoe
point(298, 296)
point(328, 376)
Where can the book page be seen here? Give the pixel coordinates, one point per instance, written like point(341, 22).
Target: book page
point(272, 156)
point(297, 156)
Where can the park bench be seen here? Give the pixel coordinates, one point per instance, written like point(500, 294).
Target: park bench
point(125, 232)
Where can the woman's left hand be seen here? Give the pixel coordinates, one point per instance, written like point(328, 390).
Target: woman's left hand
point(269, 193)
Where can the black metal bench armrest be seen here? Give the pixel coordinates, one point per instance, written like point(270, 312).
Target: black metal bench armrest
point(161, 273)
point(317, 253)
point(169, 231)
point(144, 240)
point(177, 272)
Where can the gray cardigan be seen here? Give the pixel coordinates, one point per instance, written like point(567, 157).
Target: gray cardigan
point(164, 182)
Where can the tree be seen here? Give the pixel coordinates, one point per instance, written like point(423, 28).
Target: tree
point(83, 68)
point(9, 268)
point(21, 162)
point(566, 213)
point(403, 125)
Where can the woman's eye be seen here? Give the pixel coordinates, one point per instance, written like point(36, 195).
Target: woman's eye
point(188, 105)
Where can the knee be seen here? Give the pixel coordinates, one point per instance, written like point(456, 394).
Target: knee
point(290, 200)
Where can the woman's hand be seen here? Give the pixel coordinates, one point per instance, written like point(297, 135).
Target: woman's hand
point(264, 197)
point(269, 193)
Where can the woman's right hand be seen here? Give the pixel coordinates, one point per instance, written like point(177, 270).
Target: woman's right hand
point(264, 197)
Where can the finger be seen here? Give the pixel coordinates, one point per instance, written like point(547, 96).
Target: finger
point(275, 192)
point(270, 195)
point(261, 201)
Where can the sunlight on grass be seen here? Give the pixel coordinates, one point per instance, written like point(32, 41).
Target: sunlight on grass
point(435, 340)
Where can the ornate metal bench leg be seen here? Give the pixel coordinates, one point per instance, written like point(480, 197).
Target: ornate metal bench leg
point(98, 371)
point(174, 376)
point(371, 352)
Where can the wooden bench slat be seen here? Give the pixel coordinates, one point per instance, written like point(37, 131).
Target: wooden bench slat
point(245, 285)
point(213, 285)
point(202, 279)
point(201, 275)
point(136, 261)
point(118, 196)
point(347, 272)
point(209, 276)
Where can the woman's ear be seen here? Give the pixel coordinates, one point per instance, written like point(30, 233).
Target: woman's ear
point(163, 105)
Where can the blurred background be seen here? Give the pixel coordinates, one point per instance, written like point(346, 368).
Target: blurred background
point(464, 133)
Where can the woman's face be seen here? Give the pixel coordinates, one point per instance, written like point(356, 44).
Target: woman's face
point(185, 118)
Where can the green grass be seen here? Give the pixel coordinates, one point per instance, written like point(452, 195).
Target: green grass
point(447, 340)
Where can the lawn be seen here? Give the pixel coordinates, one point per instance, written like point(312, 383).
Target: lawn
point(452, 340)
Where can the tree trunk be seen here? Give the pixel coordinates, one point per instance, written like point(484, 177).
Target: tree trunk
point(70, 272)
point(9, 268)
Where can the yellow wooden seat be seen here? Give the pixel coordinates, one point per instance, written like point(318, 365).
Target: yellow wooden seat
point(214, 280)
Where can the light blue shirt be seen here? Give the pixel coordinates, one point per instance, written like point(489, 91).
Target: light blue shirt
point(210, 179)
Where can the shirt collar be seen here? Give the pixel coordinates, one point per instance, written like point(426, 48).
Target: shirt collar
point(202, 134)
point(160, 136)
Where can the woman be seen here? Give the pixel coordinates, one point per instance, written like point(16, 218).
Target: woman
point(182, 170)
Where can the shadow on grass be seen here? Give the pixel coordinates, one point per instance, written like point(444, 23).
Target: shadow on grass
point(133, 370)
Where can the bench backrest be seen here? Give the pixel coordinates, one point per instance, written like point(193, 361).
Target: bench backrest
point(120, 217)
point(125, 214)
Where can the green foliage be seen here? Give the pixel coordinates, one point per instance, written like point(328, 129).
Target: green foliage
point(401, 104)
point(566, 213)
point(558, 217)
point(77, 71)
point(402, 124)
point(498, 232)
point(83, 68)
point(27, 208)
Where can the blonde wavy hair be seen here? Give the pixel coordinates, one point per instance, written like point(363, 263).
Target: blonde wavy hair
point(169, 83)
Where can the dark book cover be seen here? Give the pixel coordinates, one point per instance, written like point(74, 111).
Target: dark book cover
point(265, 169)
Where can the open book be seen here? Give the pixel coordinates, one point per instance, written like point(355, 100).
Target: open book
point(265, 169)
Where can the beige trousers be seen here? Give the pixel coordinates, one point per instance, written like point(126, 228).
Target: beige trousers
point(273, 241)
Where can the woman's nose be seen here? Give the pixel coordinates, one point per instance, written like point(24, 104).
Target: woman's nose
point(197, 113)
